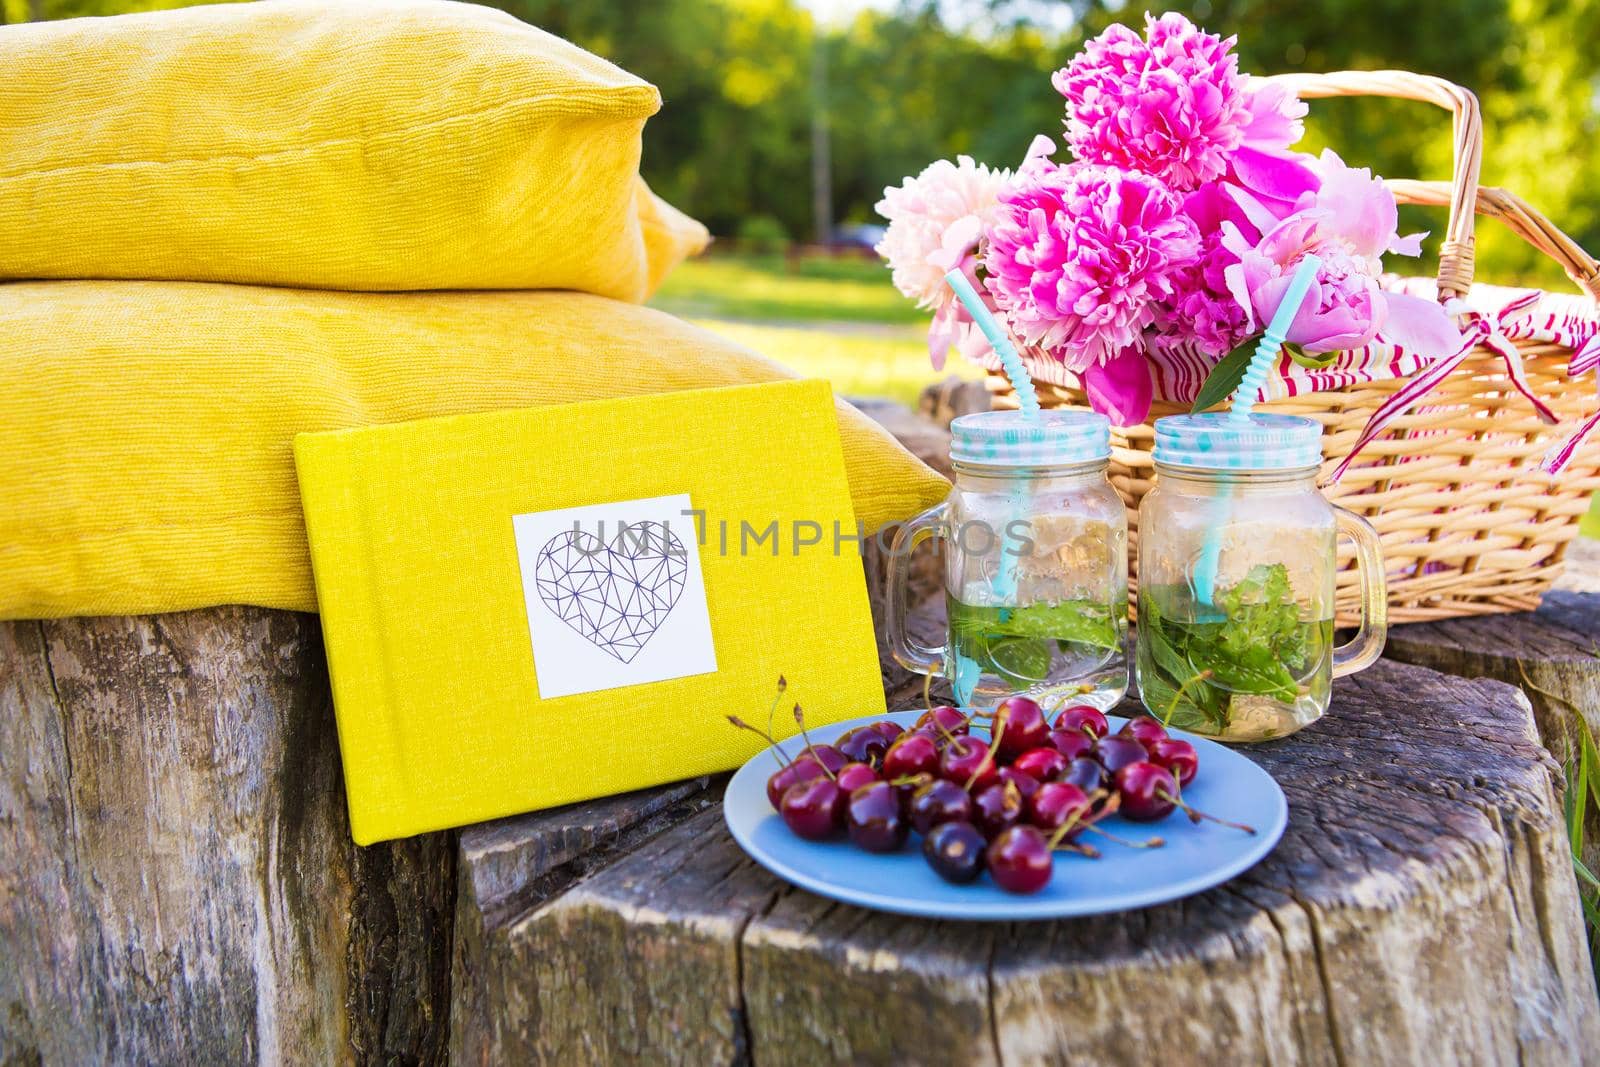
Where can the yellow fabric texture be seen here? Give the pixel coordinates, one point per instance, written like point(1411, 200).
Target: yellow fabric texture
point(148, 424)
point(402, 144)
point(434, 681)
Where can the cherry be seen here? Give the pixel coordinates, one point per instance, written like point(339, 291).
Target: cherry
point(1057, 804)
point(943, 720)
point(801, 770)
point(1083, 718)
point(967, 762)
point(1018, 726)
point(997, 807)
point(1150, 792)
point(853, 776)
point(1026, 783)
point(955, 851)
point(906, 788)
point(1086, 774)
point(1020, 860)
point(889, 729)
point(914, 753)
point(1115, 753)
point(1145, 729)
point(1042, 764)
point(872, 816)
point(862, 745)
point(938, 802)
point(827, 755)
point(811, 809)
point(1071, 743)
point(1178, 757)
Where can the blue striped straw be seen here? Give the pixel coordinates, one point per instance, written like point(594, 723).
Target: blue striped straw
point(996, 335)
point(1244, 402)
point(1004, 585)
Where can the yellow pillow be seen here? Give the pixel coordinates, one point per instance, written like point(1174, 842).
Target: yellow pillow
point(408, 144)
point(148, 424)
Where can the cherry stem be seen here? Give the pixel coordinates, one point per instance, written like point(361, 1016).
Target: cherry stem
point(741, 724)
point(800, 720)
point(1153, 842)
point(1195, 815)
point(1074, 846)
point(773, 707)
point(1172, 706)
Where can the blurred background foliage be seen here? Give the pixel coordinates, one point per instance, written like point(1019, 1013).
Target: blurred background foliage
point(901, 84)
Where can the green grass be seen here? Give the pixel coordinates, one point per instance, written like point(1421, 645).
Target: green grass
point(1591, 522)
point(769, 289)
point(838, 319)
point(888, 365)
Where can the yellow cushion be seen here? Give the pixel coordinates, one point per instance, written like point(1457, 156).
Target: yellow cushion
point(410, 144)
point(148, 424)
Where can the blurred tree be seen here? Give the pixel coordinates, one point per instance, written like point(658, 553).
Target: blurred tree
point(933, 78)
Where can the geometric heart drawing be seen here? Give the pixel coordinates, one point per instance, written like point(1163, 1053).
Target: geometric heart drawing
point(615, 595)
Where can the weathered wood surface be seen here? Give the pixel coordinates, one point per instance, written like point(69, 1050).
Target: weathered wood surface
point(178, 883)
point(1421, 908)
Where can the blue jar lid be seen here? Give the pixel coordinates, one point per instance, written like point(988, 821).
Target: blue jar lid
point(1007, 439)
point(1218, 441)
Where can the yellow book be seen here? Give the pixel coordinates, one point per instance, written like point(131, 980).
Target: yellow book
point(530, 608)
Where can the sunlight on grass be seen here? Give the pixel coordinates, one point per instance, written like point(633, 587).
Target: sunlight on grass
point(766, 289)
point(893, 366)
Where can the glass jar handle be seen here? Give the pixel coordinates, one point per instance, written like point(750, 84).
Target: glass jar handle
point(1361, 651)
point(913, 656)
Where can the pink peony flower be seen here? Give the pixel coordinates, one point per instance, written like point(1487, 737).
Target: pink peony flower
point(1172, 104)
point(935, 219)
point(1078, 256)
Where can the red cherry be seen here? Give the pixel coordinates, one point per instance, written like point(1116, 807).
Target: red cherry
point(827, 755)
point(1178, 757)
point(939, 802)
point(906, 788)
point(1018, 726)
point(996, 807)
point(1115, 753)
point(1086, 774)
point(1020, 860)
point(1147, 791)
point(872, 815)
point(889, 729)
point(1071, 743)
point(801, 770)
point(914, 753)
point(1057, 803)
point(862, 745)
point(1082, 718)
point(1145, 729)
point(1042, 764)
point(811, 809)
point(853, 776)
point(1026, 783)
point(967, 760)
point(943, 720)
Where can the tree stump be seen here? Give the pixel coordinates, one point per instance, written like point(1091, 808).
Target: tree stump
point(1420, 908)
point(178, 883)
point(1552, 654)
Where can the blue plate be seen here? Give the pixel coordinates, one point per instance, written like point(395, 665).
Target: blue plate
point(1195, 857)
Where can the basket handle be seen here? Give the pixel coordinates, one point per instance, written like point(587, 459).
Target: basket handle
point(1520, 218)
point(1455, 254)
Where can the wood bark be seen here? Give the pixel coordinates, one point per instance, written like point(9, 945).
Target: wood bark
point(1420, 908)
point(179, 884)
point(1552, 655)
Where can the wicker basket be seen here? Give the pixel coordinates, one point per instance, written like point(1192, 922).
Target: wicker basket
point(1469, 523)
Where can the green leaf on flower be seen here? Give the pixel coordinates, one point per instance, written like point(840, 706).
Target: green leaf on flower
point(1224, 377)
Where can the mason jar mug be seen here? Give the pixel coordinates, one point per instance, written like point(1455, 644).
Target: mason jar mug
point(1035, 553)
point(1237, 574)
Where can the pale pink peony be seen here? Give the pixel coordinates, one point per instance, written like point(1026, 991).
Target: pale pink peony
point(1172, 104)
point(1349, 222)
point(1078, 257)
point(935, 219)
